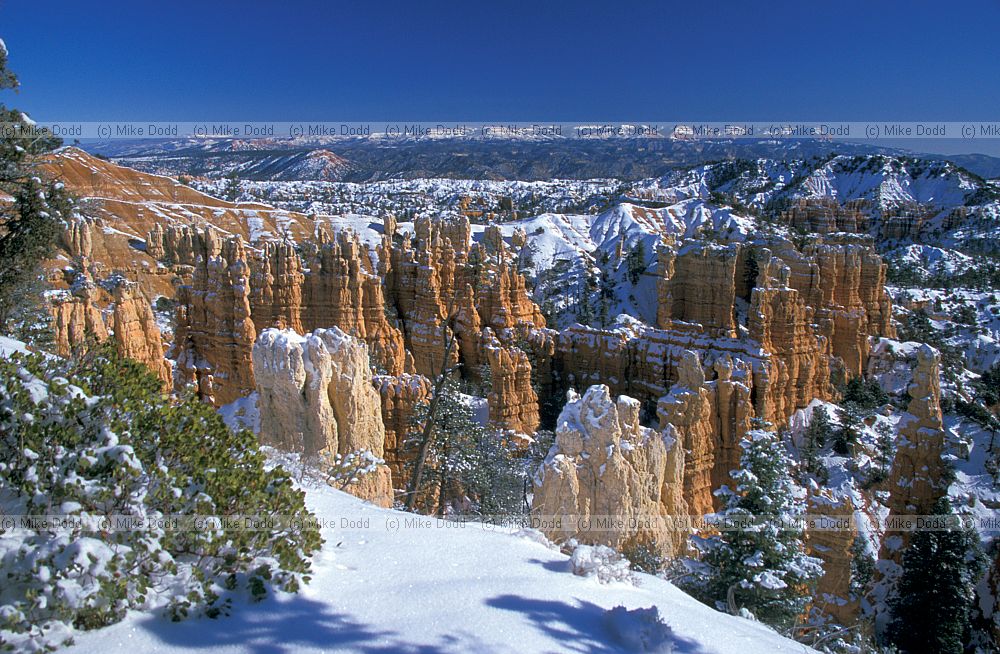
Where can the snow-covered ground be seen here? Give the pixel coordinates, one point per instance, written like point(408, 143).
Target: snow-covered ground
point(383, 586)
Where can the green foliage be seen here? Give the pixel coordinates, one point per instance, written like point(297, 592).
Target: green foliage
point(816, 436)
point(29, 223)
point(644, 556)
point(862, 567)
point(931, 610)
point(866, 394)
point(761, 566)
point(635, 262)
point(988, 386)
point(469, 469)
point(859, 399)
point(885, 448)
point(109, 443)
point(851, 418)
point(232, 189)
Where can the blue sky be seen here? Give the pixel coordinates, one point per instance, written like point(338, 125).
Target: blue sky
point(291, 60)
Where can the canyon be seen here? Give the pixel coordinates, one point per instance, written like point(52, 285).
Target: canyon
point(338, 328)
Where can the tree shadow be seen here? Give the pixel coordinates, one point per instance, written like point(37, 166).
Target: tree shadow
point(283, 626)
point(577, 628)
point(560, 565)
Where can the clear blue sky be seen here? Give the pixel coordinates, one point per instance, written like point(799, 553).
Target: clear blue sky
point(540, 60)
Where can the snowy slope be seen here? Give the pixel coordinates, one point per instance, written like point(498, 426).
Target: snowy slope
point(381, 587)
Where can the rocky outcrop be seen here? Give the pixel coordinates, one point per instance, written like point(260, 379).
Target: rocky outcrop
point(512, 400)
point(731, 412)
point(215, 335)
point(709, 419)
point(826, 215)
point(400, 395)
point(844, 283)
point(276, 287)
point(698, 284)
point(687, 410)
point(77, 238)
point(179, 244)
point(442, 286)
point(643, 362)
point(781, 322)
point(504, 299)
point(833, 545)
point(76, 318)
point(608, 480)
point(908, 221)
point(341, 289)
point(917, 478)
point(315, 396)
point(136, 334)
point(155, 242)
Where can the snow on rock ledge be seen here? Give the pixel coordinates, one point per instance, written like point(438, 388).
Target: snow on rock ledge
point(315, 396)
point(607, 471)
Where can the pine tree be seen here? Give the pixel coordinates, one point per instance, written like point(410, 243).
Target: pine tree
point(760, 567)
point(815, 438)
point(636, 262)
point(931, 611)
point(469, 467)
point(851, 416)
point(885, 447)
point(29, 224)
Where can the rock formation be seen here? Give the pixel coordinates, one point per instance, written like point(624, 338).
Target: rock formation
point(832, 544)
point(215, 335)
point(136, 334)
point(155, 242)
point(400, 395)
point(78, 238)
point(917, 478)
point(315, 396)
point(341, 289)
point(698, 285)
point(688, 411)
point(709, 419)
point(844, 284)
point(826, 215)
point(784, 326)
point(512, 400)
point(76, 318)
point(276, 287)
point(608, 480)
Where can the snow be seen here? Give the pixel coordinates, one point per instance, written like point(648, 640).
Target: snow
point(639, 630)
point(9, 346)
point(381, 585)
point(242, 414)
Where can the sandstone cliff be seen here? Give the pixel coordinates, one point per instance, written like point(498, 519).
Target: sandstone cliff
point(276, 287)
point(917, 478)
point(136, 334)
point(315, 396)
point(76, 318)
point(342, 289)
point(400, 395)
point(605, 464)
point(215, 335)
point(512, 400)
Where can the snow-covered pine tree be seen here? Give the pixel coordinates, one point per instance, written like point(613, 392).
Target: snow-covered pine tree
point(760, 567)
point(932, 606)
point(816, 436)
point(30, 222)
point(469, 468)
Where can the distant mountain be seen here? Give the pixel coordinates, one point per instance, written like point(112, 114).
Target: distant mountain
point(374, 159)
